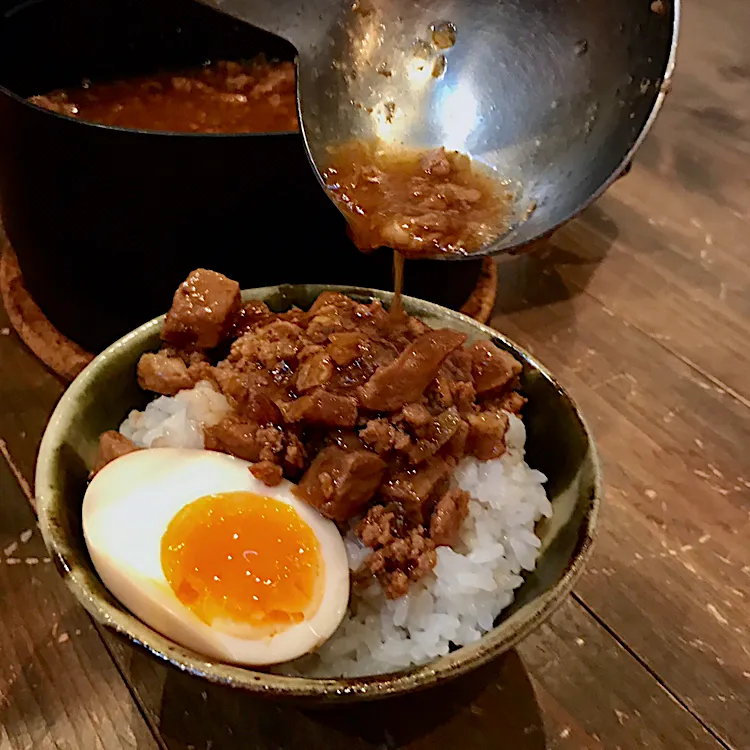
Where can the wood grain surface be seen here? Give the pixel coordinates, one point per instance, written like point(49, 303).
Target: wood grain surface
point(58, 685)
point(642, 309)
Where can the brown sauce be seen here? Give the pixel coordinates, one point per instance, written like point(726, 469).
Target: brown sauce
point(420, 203)
point(397, 306)
point(225, 97)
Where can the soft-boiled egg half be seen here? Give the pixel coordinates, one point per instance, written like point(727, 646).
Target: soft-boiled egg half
point(212, 558)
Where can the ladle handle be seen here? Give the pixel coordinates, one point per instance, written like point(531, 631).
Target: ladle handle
point(300, 22)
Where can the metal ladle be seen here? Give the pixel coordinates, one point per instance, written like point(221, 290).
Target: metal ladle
point(554, 95)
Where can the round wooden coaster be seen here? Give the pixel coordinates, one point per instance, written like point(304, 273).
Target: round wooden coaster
point(482, 300)
point(63, 356)
point(66, 358)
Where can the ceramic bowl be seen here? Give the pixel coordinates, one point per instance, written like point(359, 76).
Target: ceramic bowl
point(558, 443)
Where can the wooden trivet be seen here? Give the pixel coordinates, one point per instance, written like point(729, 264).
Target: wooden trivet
point(66, 358)
point(482, 300)
point(63, 356)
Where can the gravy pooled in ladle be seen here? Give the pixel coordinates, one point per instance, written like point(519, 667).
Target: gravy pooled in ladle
point(419, 203)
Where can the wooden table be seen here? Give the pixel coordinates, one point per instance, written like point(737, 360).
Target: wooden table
point(642, 307)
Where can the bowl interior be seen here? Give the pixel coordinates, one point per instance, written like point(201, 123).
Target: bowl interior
point(555, 95)
point(558, 444)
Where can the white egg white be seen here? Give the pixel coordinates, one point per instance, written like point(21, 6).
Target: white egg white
point(128, 507)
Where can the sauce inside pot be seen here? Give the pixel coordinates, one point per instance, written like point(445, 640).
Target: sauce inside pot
point(225, 97)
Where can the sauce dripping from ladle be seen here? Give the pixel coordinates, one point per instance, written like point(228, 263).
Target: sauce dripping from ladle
point(397, 306)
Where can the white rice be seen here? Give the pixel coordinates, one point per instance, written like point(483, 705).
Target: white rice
point(470, 584)
point(177, 421)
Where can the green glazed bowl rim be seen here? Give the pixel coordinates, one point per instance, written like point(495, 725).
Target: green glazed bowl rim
point(503, 637)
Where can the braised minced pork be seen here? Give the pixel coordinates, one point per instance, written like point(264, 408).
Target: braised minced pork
point(369, 414)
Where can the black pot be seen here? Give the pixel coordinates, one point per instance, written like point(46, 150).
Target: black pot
point(106, 222)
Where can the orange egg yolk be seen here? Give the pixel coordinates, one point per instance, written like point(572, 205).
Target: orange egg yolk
point(242, 557)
